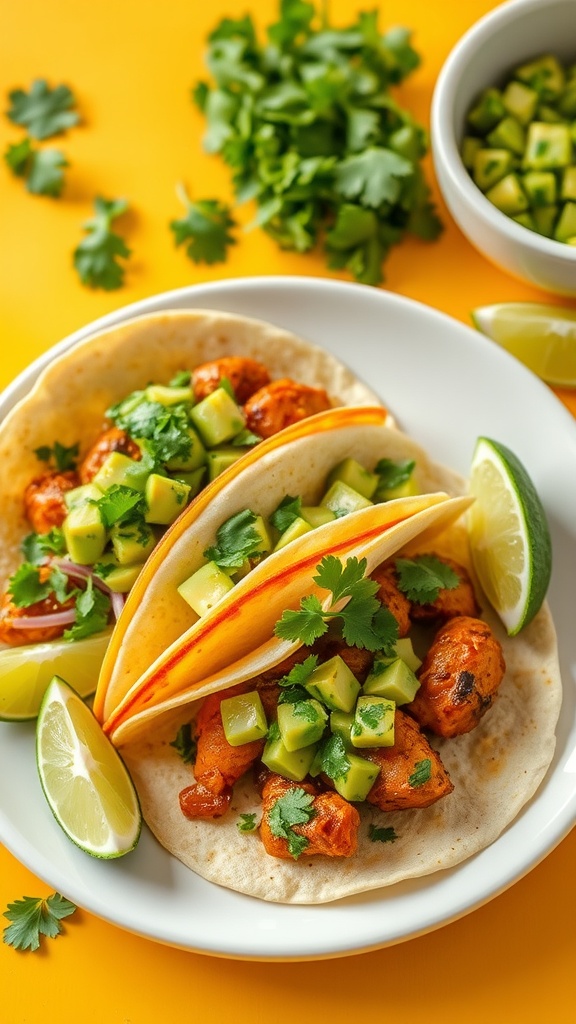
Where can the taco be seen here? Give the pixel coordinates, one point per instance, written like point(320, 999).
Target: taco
point(117, 436)
point(472, 740)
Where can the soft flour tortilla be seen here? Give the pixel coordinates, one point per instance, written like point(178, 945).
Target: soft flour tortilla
point(69, 400)
point(156, 618)
point(495, 769)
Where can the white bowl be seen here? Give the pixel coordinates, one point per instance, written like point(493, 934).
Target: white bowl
point(510, 35)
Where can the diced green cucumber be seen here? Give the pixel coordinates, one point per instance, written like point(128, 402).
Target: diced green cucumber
point(406, 489)
point(470, 146)
point(566, 226)
point(81, 495)
point(508, 195)
point(132, 542)
point(316, 515)
point(548, 147)
point(360, 776)
point(568, 187)
point(352, 473)
point(487, 111)
point(219, 459)
point(290, 764)
point(508, 134)
point(297, 529)
point(342, 499)
point(119, 469)
point(301, 723)
point(567, 102)
point(393, 680)
point(196, 456)
point(217, 418)
point(121, 578)
point(490, 165)
point(520, 101)
point(373, 722)
point(333, 684)
point(540, 187)
point(243, 718)
point(548, 114)
point(84, 534)
point(544, 218)
point(545, 75)
point(341, 725)
point(193, 480)
point(525, 219)
point(405, 649)
point(205, 587)
point(165, 395)
point(165, 498)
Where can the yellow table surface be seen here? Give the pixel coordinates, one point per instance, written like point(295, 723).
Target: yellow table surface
point(131, 64)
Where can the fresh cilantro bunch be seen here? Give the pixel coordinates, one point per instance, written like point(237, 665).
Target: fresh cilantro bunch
point(308, 125)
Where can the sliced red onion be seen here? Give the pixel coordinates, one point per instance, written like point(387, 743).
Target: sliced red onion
point(73, 569)
point(46, 621)
point(117, 602)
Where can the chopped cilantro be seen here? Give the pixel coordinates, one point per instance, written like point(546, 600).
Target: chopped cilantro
point(245, 439)
point(32, 917)
point(287, 511)
point(166, 428)
point(382, 834)
point(120, 504)
point(292, 695)
point(333, 759)
point(422, 578)
point(294, 808)
point(25, 587)
point(92, 611)
point(393, 473)
point(185, 743)
point(236, 540)
point(59, 455)
point(205, 229)
point(43, 111)
point(97, 256)
point(247, 823)
point(36, 546)
point(180, 379)
point(370, 716)
point(422, 773)
point(300, 673)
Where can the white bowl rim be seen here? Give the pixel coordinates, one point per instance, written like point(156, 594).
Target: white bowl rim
point(444, 142)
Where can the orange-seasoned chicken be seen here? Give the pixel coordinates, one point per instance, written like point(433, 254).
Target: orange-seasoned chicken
point(112, 440)
point(461, 600)
point(391, 597)
point(245, 375)
point(281, 403)
point(411, 772)
point(10, 613)
point(459, 677)
point(199, 802)
point(331, 831)
point(44, 503)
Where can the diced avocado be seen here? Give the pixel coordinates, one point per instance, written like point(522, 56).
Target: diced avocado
point(545, 75)
point(205, 587)
point(544, 218)
point(316, 515)
point(487, 111)
point(195, 458)
point(118, 468)
point(342, 499)
point(243, 718)
point(219, 459)
point(373, 722)
point(121, 578)
point(359, 778)
point(405, 649)
point(301, 723)
point(351, 472)
point(217, 418)
point(168, 396)
point(81, 495)
point(84, 534)
point(132, 542)
point(571, 241)
point(406, 489)
point(566, 226)
point(393, 680)
point(193, 480)
point(568, 187)
point(548, 114)
point(470, 146)
point(548, 147)
point(296, 529)
point(263, 547)
point(490, 165)
point(508, 134)
point(334, 684)
point(567, 101)
point(407, 141)
point(290, 764)
point(520, 101)
point(165, 498)
point(508, 195)
point(540, 187)
point(341, 725)
point(525, 219)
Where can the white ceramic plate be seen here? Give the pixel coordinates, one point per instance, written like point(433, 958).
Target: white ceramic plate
point(446, 384)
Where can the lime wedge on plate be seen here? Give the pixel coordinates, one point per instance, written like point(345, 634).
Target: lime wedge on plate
point(510, 539)
point(83, 777)
point(543, 337)
point(26, 671)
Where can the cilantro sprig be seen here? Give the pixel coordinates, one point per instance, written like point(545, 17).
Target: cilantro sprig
point(422, 578)
point(61, 456)
point(205, 229)
point(97, 256)
point(236, 540)
point(294, 808)
point(382, 833)
point(365, 622)
point(42, 169)
point(31, 917)
point(185, 743)
point(165, 428)
point(43, 111)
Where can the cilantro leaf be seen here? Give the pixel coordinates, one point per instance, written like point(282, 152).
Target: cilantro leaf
point(18, 156)
point(92, 611)
point(294, 808)
point(422, 578)
point(287, 511)
point(96, 256)
point(32, 917)
point(61, 456)
point(333, 758)
point(236, 540)
point(42, 110)
point(185, 743)
point(422, 773)
point(205, 228)
point(247, 823)
point(373, 177)
point(300, 673)
point(36, 546)
point(166, 428)
point(181, 379)
point(381, 834)
point(119, 504)
point(394, 472)
point(46, 175)
point(306, 623)
point(25, 586)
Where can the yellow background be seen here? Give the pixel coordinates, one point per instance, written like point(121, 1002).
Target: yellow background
point(131, 64)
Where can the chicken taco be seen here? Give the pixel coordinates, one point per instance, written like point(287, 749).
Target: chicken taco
point(116, 438)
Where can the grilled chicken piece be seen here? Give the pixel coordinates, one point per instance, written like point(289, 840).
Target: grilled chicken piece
point(44, 499)
point(281, 403)
point(10, 613)
point(112, 440)
point(411, 772)
point(245, 375)
point(198, 802)
point(449, 603)
point(331, 831)
point(391, 597)
point(459, 677)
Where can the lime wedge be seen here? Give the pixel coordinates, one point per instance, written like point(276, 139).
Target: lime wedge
point(26, 671)
point(510, 539)
point(543, 337)
point(83, 777)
